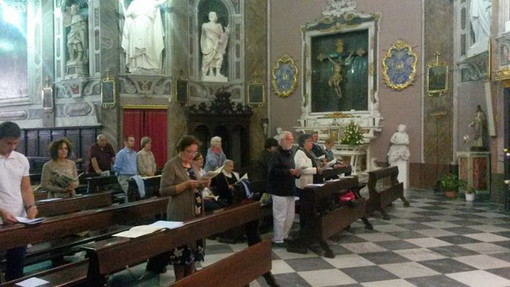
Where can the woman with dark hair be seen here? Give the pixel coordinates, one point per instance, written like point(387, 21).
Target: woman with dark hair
point(59, 175)
point(179, 180)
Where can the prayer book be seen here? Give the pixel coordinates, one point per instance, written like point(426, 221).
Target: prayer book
point(26, 221)
point(33, 282)
point(138, 231)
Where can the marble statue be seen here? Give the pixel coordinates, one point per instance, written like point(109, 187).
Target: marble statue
point(481, 17)
point(399, 149)
point(77, 36)
point(279, 131)
point(213, 43)
point(479, 124)
point(398, 155)
point(142, 36)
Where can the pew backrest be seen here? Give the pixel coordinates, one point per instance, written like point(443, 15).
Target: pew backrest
point(68, 205)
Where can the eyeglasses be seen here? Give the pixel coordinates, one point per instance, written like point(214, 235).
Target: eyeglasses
point(191, 152)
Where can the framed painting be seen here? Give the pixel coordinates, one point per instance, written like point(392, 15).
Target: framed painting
point(181, 91)
point(399, 66)
point(437, 79)
point(256, 94)
point(108, 92)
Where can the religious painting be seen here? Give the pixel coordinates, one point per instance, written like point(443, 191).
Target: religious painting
point(399, 66)
point(108, 93)
point(256, 94)
point(181, 91)
point(340, 71)
point(284, 76)
point(437, 79)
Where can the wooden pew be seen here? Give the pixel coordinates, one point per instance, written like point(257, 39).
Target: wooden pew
point(239, 269)
point(151, 184)
point(110, 183)
point(67, 205)
point(113, 255)
point(323, 216)
point(380, 198)
point(69, 224)
point(63, 225)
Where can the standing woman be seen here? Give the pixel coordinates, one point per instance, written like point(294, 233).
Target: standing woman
point(145, 160)
point(59, 175)
point(179, 180)
point(215, 155)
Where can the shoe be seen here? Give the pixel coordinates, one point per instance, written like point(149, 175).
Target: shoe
point(279, 244)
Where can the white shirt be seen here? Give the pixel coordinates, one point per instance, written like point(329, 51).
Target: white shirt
point(304, 163)
point(12, 171)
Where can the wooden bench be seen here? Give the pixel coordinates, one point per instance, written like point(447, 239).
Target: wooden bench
point(112, 218)
point(324, 216)
point(151, 184)
point(383, 189)
point(67, 205)
point(110, 183)
point(113, 255)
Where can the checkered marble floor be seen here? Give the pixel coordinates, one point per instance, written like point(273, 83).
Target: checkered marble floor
point(435, 242)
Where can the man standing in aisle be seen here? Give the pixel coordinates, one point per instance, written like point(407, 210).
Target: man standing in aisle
point(16, 194)
point(125, 164)
point(281, 185)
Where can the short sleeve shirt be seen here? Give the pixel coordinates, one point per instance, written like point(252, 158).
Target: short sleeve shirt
point(12, 171)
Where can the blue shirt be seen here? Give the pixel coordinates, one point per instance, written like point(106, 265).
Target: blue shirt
point(125, 162)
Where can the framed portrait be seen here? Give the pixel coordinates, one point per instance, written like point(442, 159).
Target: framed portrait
point(256, 94)
point(181, 91)
point(108, 93)
point(399, 66)
point(334, 134)
point(437, 79)
point(47, 99)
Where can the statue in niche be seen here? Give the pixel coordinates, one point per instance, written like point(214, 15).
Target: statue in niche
point(213, 43)
point(479, 123)
point(481, 17)
point(142, 36)
point(77, 37)
point(399, 149)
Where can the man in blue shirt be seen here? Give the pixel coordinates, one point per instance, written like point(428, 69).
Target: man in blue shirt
point(125, 164)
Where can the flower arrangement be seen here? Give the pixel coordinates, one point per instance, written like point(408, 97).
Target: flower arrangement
point(353, 135)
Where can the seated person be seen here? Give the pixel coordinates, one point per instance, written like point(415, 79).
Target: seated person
point(59, 175)
point(224, 182)
point(210, 202)
point(339, 167)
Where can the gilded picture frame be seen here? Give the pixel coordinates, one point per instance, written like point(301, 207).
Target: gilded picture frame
point(108, 92)
point(284, 76)
point(256, 94)
point(399, 66)
point(437, 78)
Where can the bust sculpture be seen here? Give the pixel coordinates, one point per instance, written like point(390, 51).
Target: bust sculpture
point(213, 43)
point(399, 149)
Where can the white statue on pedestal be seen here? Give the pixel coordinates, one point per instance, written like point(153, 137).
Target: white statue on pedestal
point(213, 43)
point(481, 17)
point(142, 36)
point(77, 36)
point(398, 155)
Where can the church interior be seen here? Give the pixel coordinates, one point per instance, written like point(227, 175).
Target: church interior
point(423, 85)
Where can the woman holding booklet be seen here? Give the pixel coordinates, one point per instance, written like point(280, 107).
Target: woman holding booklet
point(59, 175)
point(180, 180)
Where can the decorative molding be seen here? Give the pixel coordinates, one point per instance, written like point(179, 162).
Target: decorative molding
point(474, 68)
point(13, 115)
point(222, 105)
point(145, 85)
point(399, 65)
point(503, 74)
point(78, 109)
point(338, 8)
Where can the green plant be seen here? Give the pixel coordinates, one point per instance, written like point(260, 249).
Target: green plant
point(451, 182)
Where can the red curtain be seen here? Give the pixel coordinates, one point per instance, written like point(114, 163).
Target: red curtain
point(151, 123)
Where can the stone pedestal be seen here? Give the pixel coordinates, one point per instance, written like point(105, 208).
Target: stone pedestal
point(403, 172)
point(474, 168)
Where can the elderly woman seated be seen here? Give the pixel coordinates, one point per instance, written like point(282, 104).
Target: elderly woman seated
point(224, 183)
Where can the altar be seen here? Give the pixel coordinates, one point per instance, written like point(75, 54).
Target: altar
point(356, 156)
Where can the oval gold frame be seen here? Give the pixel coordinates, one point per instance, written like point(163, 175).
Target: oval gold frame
point(398, 46)
point(282, 63)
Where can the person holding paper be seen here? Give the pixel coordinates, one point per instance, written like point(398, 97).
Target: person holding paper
point(59, 174)
point(16, 194)
point(281, 185)
point(307, 164)
point(210, 200)
point(179, 180)
point(224, 182)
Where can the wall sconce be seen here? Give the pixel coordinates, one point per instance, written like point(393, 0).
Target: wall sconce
point(47, 96)
point(264, 122)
